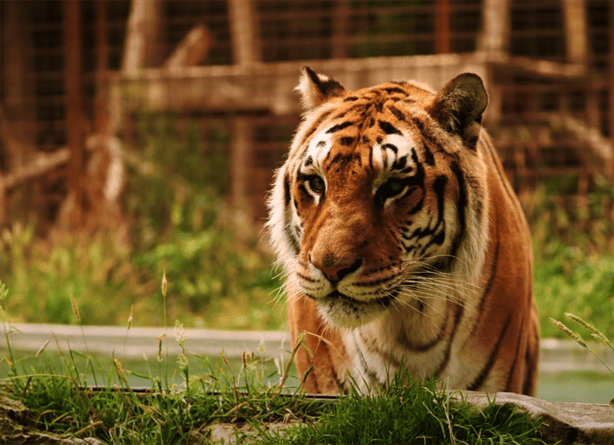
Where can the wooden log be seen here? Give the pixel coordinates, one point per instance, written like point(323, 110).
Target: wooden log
point(191, 50)
point(38, 166)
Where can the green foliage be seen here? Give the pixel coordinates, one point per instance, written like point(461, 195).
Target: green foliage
point(573, 245)
point(219, 271)
point(43, 278)
point(411, 412)
point(573, 281)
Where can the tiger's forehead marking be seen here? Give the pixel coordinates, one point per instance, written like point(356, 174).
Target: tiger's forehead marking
point(318, 149)
point(393, 152)
point(390, 149)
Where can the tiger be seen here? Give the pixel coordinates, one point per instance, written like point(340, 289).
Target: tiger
point(403, 245)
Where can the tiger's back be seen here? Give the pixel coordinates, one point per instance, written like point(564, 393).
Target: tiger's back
point(403, 241)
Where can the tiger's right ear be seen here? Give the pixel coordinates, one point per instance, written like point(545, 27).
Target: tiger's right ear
point(315, 89)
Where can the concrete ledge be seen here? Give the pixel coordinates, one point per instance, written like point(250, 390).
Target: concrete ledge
point(564, 422)
point(138, 341)
point(556, 355)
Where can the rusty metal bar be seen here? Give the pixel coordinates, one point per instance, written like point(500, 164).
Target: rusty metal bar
point(611, 87)
point(442, 27)
point(102, 57)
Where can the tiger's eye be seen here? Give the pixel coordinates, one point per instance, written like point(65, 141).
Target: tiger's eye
point(390, 189)
point(316, 184)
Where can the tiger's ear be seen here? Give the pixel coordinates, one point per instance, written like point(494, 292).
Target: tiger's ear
point(316, 88)
point(459, 105)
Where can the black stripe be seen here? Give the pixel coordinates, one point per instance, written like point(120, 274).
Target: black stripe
point(339, 127)
point(499, 170)
point(399, 163)
point(415, 209)
point(479, 381)
point(390, 147)
point(529, 385)
point(423, 347)
point(391, 90)
point(389, 128)
point(286, 190)
point(457, 316)
point(294, 244)
point(387, 355)
point(519, 341)
point(429, 139)
point(429, 159)
point(461, 207)
point(491, 278)
point(371, 374)
point(346, 141)
point(316, 124)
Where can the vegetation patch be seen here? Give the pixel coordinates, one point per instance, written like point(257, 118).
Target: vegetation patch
point(115, 413)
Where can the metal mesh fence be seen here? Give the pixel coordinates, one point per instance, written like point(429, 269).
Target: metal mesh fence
point(549, 109)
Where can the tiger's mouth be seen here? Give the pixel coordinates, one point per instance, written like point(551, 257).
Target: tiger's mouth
point(348, 312)
point(337, 297)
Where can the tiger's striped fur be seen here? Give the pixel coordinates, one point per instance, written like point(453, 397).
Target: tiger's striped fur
point(403, 241)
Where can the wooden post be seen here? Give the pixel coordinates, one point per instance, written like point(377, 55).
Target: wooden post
point(243, 32)
point(576, 38)
point(19, 101)
point(142, 36)
point(74, 107)
point(495, 35)
point(442, 27)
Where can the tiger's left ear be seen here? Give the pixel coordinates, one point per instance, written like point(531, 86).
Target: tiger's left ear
point(459, 105)
point(316, 88)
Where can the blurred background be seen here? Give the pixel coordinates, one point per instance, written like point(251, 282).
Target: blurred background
point(139, 137)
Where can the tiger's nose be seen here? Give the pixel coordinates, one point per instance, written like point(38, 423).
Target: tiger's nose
point(333, 269)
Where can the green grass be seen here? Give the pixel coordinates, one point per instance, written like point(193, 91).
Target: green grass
point(80, 398)
point(411, 412)
point(407, 412)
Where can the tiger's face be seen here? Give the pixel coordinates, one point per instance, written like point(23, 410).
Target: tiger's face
point(375, 202)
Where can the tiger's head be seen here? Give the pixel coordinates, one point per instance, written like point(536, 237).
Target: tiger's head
point(383, 189)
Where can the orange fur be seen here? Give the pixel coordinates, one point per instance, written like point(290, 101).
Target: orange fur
point(403, 241)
